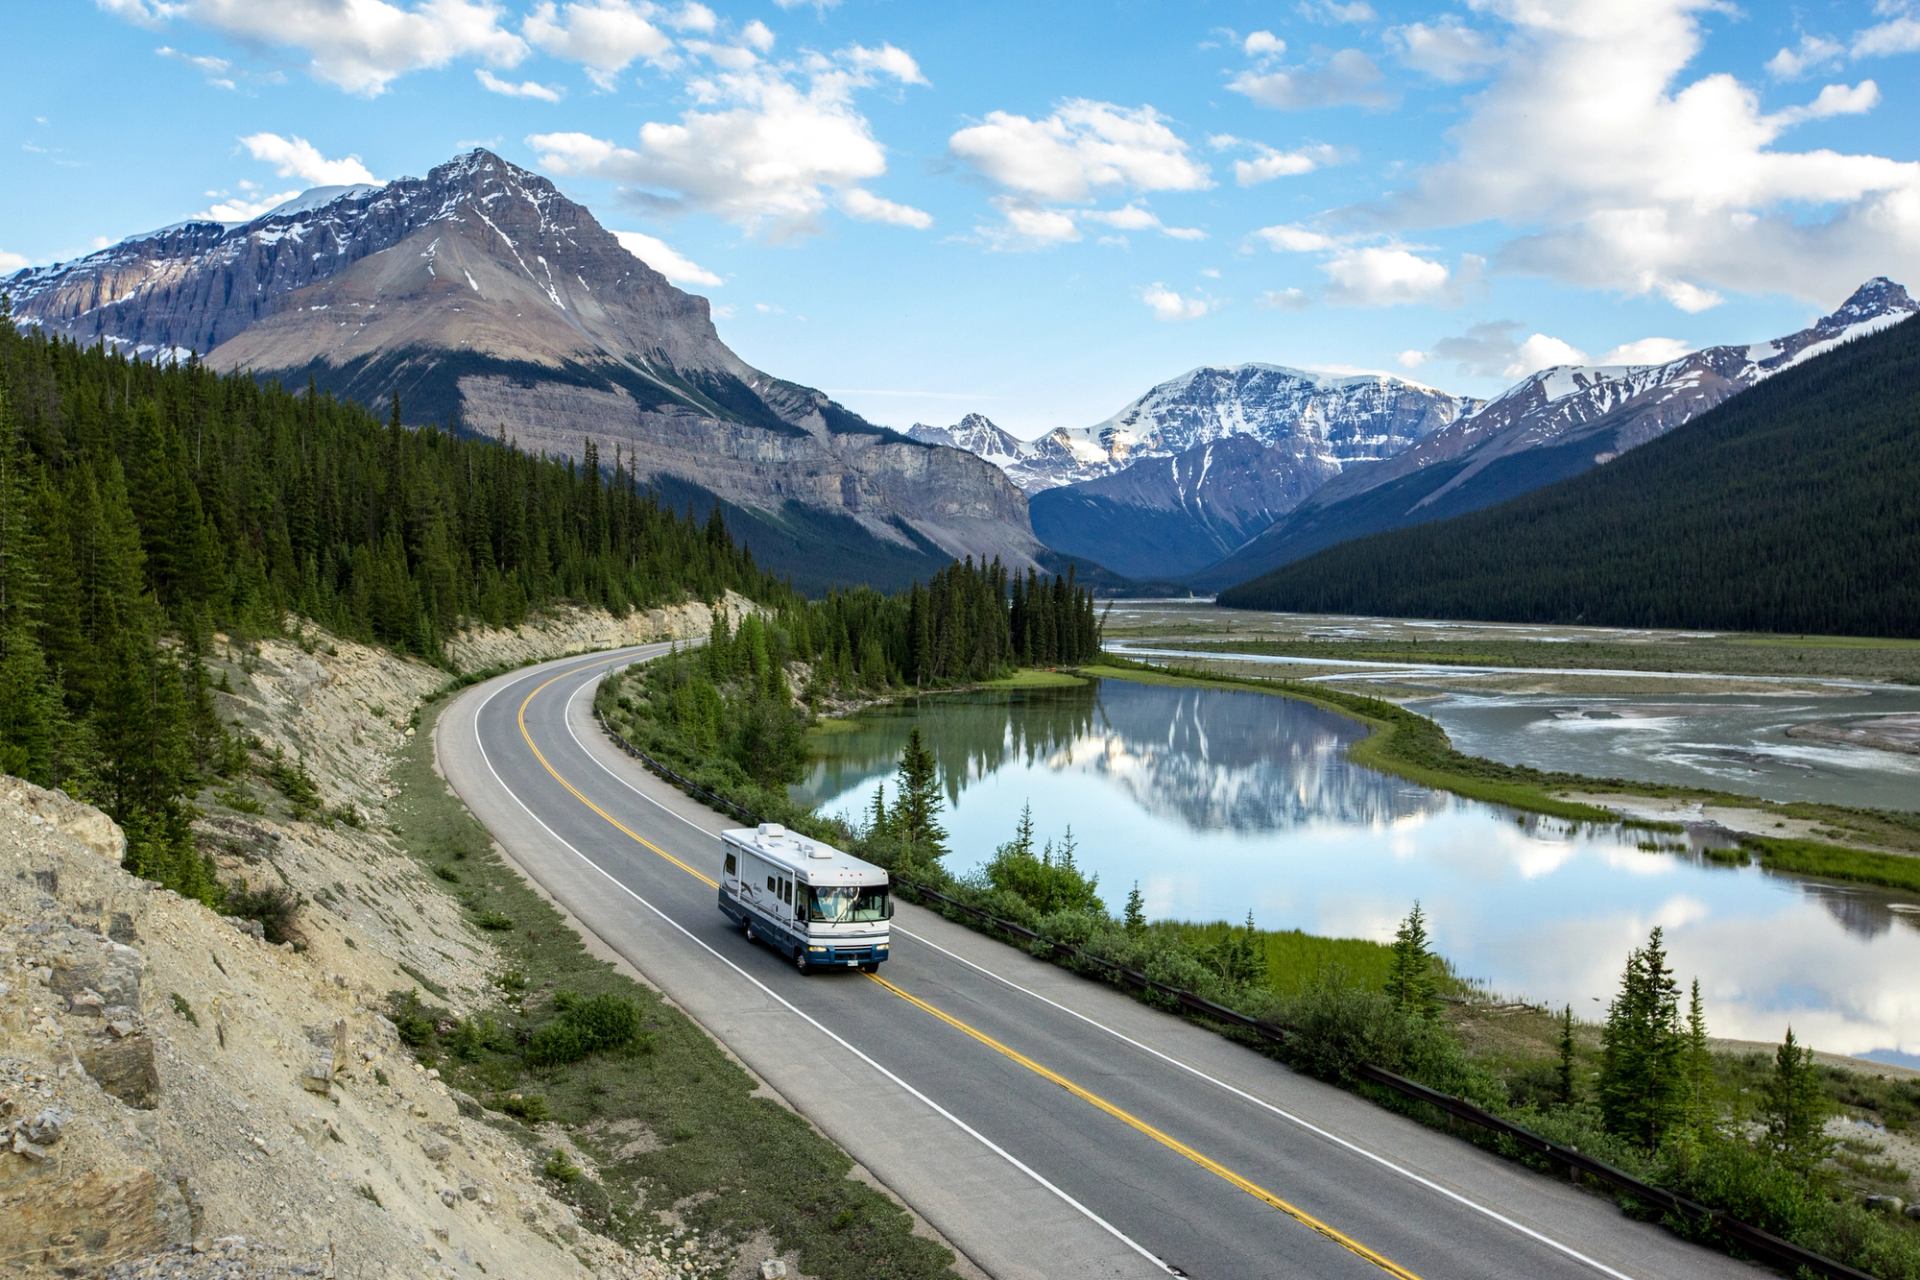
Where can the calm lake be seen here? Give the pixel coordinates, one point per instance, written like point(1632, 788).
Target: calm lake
point(1222, 801)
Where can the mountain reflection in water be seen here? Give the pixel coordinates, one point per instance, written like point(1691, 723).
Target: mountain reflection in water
point(1218, 802)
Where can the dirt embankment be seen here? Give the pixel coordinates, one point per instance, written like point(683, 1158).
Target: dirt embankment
point(169, 1080)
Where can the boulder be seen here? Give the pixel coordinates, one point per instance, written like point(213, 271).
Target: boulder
point(78, 1224)
point(1886, 1204)
point(125, 1069)
point(86, 962)
point(45, 1128)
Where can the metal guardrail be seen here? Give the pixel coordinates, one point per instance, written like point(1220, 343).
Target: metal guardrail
point(1760, 1245)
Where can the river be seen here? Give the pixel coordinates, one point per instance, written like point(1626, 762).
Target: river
point(1221, 801)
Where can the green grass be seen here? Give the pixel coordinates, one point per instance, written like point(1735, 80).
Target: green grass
point(1295, 959)
point(730, 1164)
point(1837, 862)
point(1726, 655)
point(1035, 678)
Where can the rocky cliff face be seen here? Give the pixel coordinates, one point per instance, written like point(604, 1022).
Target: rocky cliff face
point(1551, 425)
point(483, 295)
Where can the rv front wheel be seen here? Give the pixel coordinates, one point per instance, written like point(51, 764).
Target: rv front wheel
point(800, 960)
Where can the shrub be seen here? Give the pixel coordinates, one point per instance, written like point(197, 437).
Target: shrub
point(411, 1019)
point(530, 1107)
point(275, 906)
point(583, 1026)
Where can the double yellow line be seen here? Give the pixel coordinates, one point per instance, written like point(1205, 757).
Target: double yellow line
point(1046, 1073)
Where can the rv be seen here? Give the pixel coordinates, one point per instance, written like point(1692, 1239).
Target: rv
point(824, 907)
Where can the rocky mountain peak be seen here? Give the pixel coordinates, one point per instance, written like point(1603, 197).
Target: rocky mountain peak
point(1876, 298)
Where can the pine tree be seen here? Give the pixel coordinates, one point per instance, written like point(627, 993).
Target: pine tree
point(1794, 1108)
point(1565, 1066)
point(1136, 916)
point(916, 815)
point(1410, 977)
point(1642, 1067)
point(878, 820)
point(1699, 1064)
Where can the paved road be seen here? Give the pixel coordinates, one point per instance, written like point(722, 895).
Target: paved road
point(1048, 1126)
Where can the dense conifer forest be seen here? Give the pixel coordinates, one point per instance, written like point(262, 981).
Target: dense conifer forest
point(1793, 507)
point(144, 508)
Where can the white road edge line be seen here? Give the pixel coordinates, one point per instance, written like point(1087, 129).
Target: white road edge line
point(771, 994)
point(1411, 1175)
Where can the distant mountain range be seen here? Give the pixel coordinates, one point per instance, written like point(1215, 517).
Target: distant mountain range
point(1554, 424)
point(1793, 506)
point(483, 297)
point(1225, 473)
point(1200, 463)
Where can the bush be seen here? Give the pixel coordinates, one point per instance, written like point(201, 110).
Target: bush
point(595, 1024)
point(412, 1020)
point(275, 906)
point(530, 1107)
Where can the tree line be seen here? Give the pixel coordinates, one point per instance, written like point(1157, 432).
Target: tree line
point(143, 507)
point(1794, 506)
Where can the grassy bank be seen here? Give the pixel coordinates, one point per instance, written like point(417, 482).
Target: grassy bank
point(1409, 745)
point(1823, 657)
point(666, 1122)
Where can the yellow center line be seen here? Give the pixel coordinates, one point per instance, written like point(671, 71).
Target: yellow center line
point(1166, 1140)
point(1087, 1096)
point(574, 791)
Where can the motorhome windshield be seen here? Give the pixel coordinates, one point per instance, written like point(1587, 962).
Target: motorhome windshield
point(848, 904)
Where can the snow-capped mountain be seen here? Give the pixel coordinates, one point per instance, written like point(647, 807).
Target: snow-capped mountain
point(1097, 492)
point(1551, 425)
point(484, 296)
point(1342, 419)
point(977, 434)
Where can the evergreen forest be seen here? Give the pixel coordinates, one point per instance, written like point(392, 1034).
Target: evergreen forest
point(1793, 507)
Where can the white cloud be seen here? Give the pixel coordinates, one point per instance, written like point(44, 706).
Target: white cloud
point(768, 148)
point(1025, 226)
point(695, 17)
point(1834, 100)
point(1810, 54)
point(1678, 186)
point(1166, 304)
point(1287, 238)
point(604, 36)
point(667, 260)
point(1268, 163)
point(1385, 276)
point(244, 207)
point(897, 63)
point(1084, 147)
point(1410, 359)
point(1263, 44)
point(1899, 34)
point(1647, 351)
point(361, 46)
point(12, 262)
point(1335, 11)
point(214, 69)
point(1541, 351)
point(1284, 300)
point(858, 202)
point(297, 158)
point(1132, 217)
point(757, 35)
point(1447, 50)
point(1346, 78)
point(507, 88)
point(1495, 349)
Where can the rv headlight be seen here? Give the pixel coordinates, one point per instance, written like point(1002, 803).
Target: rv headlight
point(816, 948)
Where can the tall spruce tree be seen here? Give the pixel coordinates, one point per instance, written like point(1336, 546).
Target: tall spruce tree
point(1411, 984)
point(916, 815)
point(1794, 1109)
point(1642, 1066)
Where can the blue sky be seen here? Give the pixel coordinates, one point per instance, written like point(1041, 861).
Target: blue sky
point(1037, 211)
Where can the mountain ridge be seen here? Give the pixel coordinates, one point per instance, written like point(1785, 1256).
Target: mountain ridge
point(495, 302)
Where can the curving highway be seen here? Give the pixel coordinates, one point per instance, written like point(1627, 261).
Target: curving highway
point(1047, 1126)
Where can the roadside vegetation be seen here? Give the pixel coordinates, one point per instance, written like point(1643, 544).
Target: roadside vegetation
point(1745, 1133)
point(643, 1120)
